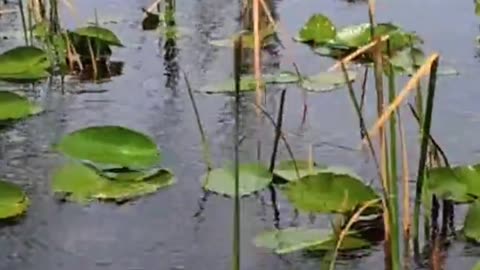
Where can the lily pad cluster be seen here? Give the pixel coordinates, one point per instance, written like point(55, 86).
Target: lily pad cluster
point(325, 39)
point(308, 187)
point(111, 163)
point(461, 185)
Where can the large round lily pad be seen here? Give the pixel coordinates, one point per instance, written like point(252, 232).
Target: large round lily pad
point(253, 178)
point(14, 106)
point(328, 192)
point(13, 200)
point(99, 33)
point(459, 184)
point(78, 183)
point(295, 239)
point(25, 63)
point(113, 145)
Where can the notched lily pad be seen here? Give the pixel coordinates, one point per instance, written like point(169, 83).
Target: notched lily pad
point(111, 145)
point(24, 64)
point(318, 29)
point(78, 183)
point(327, 81)
point(13, 200)
point(295, 239)
point(327, 192)
point(253, 178)
point(14, 106)
point(99, 33)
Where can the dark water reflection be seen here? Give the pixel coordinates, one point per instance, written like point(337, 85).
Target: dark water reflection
point(162, 231)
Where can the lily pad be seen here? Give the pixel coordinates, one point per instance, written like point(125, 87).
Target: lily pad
point(253, 178)
point(13, 200)
point(318, 29)
point(327, 81)
point(294, 239)
point(99, 33)
point(459, 184)
point(24, 63)
point(79, 183)
point(111, 145)
point(292, 170)
point(14, 106)
point(327, 192)
point(471, 227)
point(248, 83)
point(404, 63)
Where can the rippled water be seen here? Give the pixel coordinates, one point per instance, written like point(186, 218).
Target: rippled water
point(162, 231)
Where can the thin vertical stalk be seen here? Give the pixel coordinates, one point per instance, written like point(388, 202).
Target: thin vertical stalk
point(236, 206)
point(406, 191)
point(257, 52)
point(205, 144)
point(24, 22)
point(393, 177)
point(423, 151)
point(278, 134)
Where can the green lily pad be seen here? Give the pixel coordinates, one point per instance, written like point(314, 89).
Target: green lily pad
point(79, 183)
point(292, 170)
point(327, 192)
point(318, 29)
point(13, 200)
point(477, 12)
point(403, 62)
point(125, 174)
point(471, 227)
point(99, 33)
point(14, 106)
point(359, 35)
point(248, 83)
point(253, 178)
point(111, 145)
point(24, 63)
point(459, 184)
point(295, 239)
point(327, 81)
point(348, 243)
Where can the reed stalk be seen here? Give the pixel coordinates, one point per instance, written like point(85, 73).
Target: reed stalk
point(425, 132)
point(203, 136)
point(393, 198)
point(236, 205)
point(24, 21)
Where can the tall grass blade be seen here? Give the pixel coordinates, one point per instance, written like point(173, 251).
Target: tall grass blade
point(24, 21)
point(423, 149)
point(205, 144)
point(236, 207)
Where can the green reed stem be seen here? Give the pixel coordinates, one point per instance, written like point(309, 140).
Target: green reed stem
point(425, 133)
point(24, 22)
point(393, 197)
point(236, 211)
point(205, 144)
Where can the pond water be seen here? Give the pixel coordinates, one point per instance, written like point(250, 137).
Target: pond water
point(166, 230)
